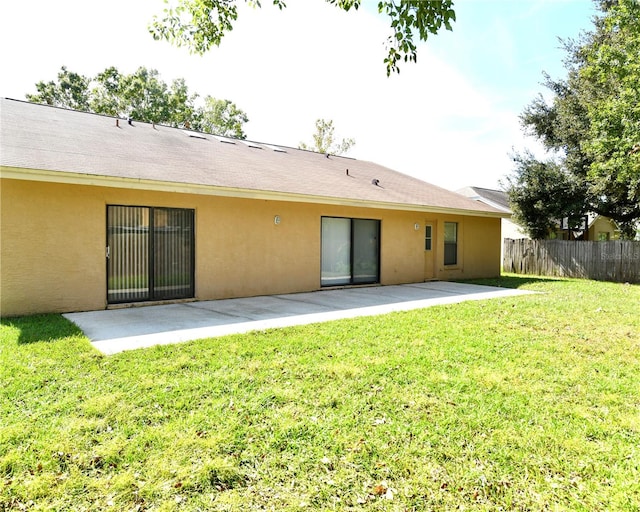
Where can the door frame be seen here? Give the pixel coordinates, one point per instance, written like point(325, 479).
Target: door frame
point(151, 253)
point(352, 251)
point(431, 253)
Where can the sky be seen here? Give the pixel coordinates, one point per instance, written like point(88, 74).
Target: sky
point(451, 119)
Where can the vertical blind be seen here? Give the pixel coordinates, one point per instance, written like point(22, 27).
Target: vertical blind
point(150, 253)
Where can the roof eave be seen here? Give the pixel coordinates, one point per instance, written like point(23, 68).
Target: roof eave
point(193, 188)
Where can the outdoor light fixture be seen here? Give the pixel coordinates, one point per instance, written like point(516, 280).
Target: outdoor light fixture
point(416, 226)
point(276, 220)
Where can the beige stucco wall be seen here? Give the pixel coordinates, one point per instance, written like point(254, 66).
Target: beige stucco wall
point(53, 241)
point(478, 248)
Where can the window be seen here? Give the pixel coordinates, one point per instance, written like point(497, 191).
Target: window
point(603, 236)
point(427, 238)
point(450, 243)
point(350, 251)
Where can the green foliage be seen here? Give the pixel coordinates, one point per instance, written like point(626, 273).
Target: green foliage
point(221, 117)
point(70, 91)
point(143, 96)
point(324, 140)
point(201, 24)
point(560, 126)
point(408, 16)
point(593, 120)
point(612, 68)
point(196, 24)
point(542, 193)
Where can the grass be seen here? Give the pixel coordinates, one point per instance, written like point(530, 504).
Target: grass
point(523, 403)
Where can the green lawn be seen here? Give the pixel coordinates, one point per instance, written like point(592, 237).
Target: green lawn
point(523, 403)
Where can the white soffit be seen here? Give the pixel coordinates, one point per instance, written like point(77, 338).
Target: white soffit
point(223, 139)
point(252, 144)
point(195, 135)
point(275, 148)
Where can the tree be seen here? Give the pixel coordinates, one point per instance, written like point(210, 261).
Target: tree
point(221, 117)
point(143, 96)
point(612, 71)
point(70, 91)
point(592, 124)
point(324, 142)
point(201, 24)
point(543, 193)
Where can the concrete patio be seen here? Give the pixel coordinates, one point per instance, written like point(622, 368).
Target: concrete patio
point(115, 330)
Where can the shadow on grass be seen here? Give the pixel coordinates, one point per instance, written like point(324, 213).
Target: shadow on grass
point(513, 281)
point(37, 328)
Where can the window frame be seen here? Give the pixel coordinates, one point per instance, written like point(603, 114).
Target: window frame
point(428, 237)
point(450, 256)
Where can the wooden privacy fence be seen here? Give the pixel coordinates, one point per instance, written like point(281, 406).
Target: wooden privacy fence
point(604, 261)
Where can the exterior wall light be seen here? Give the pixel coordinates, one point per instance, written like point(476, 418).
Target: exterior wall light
point(276, 220)
point(416, 226)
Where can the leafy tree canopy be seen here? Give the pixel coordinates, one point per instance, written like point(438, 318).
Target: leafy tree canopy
point(201, 24)
point(542, 193)
point(222, 117)
point(591, 126)
point(324, 140)
point(143, 96)
point(70, 91)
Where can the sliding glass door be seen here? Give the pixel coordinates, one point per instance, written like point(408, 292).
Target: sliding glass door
point(366, 251)
point(150, 253)
point(350, 251)
point(336, 251)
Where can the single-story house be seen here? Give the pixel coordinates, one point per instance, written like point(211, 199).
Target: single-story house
point(98, 211)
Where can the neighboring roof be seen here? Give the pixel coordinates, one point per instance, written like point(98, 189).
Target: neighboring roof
point(496, 198)
point(40, 142)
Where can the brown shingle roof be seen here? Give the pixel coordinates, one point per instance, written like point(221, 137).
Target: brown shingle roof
point(44, 138)
point(488, 195)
